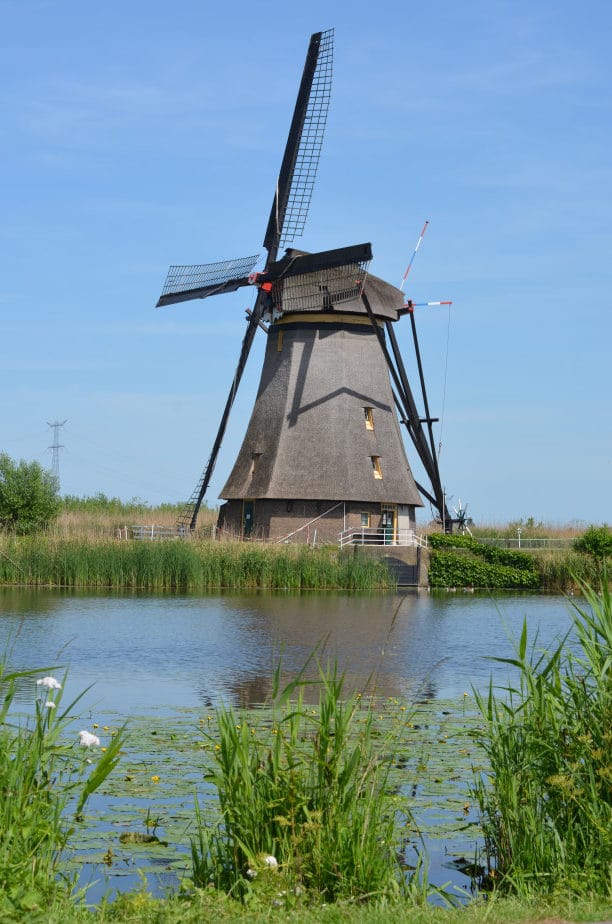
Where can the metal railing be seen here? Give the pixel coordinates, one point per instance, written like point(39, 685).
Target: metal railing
point(528, 543)
point(153, 532)
point(364, 535)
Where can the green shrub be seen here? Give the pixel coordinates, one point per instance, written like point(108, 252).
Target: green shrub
point(488, 553)
point(596, 541)
point(448, 569)
point(461, 561)
point(28, 496)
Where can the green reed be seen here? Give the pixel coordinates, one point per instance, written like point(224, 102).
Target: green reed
point(565, 571)
point(42, 775)
point(306, 809)
point(176, 565)
point(547, 803)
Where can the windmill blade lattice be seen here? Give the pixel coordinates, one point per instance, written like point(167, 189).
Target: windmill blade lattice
point(301, 158)
point(188, 282)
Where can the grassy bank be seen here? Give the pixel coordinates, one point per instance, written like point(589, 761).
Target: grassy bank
point(208, 906)
point(90, 561)
point(185, 566)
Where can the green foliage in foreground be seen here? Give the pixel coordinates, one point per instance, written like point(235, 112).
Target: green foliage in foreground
point(547, 806)
point(305, 804)
point(176, 565)
point(208, 905)
point(40, 775)
point(28, 496)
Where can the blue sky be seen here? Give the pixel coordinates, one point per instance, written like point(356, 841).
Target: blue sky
point(142, 134)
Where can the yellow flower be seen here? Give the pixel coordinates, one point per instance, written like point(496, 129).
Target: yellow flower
point(105, 727)
point(102, 749)
point(155, 779)
point(95, 725)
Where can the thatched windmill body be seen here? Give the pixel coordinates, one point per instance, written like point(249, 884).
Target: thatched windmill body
point(323, 452)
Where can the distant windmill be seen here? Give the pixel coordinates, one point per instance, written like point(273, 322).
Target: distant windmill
point(323, 449)
point(460, 519)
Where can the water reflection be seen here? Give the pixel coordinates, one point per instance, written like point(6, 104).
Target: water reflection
point(364, 636)
point(149, 653)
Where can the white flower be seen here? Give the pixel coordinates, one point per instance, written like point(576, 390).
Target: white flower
point(49, 682)
point(270, 861)
point(87, 740)
point(251, 873)
point(50, 704)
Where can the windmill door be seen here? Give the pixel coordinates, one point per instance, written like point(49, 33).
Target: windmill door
point(388, 522)
point(248, 510)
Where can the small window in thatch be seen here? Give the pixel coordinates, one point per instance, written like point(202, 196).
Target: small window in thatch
point(255, 456)
point(376, 466)
point(369, 418)
point(365, 519)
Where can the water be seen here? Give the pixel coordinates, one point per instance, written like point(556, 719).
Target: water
point(157, 655)
point(150, 653)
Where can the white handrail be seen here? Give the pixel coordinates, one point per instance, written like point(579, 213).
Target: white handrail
point(363, 535)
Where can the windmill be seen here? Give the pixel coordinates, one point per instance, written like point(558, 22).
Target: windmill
point(323, 450)
point(461, 518)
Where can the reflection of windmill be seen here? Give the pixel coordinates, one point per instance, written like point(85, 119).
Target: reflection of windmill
point(323, 447)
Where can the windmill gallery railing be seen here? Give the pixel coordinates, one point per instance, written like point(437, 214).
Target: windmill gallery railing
point(362, 535)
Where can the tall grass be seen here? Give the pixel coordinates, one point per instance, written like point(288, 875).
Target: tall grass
point(547, 805)
point(566, 571)
point(530, 529)
point(305, 803)
point(176, 565)
point(41, 775)
point(101, 517)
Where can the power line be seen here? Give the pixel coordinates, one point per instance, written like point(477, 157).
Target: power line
point(55, 447)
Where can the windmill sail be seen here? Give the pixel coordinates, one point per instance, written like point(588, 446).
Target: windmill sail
point(184, 283)
point(303, 150)
point(289, 210)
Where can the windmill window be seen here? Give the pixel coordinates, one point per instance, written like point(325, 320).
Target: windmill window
point(376, 466)
point(255, 456)
point(369, 417)
point(365, 519)
point(279, 341)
